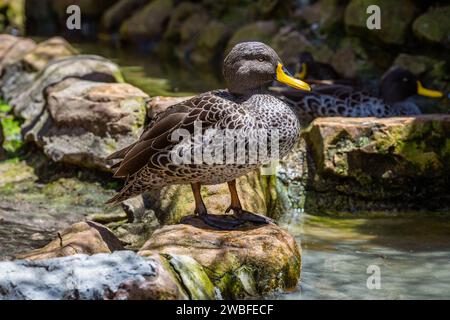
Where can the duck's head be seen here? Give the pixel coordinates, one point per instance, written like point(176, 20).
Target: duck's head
point(399, 84)
point(251, 66)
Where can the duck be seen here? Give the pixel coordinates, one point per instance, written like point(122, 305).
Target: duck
point(330, 99)
point(163, 154)
point(307, 68)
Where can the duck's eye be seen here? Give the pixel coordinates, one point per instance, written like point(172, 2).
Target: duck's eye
point(261, 59)
point(405, 79)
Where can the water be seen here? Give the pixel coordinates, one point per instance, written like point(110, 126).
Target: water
point(412, 254)
point(157, 75)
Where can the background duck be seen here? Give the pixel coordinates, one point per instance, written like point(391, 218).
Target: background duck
point(325, 100)
point(246, 106)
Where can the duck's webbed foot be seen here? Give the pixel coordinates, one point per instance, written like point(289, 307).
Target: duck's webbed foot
point(247, 216)
point(221, 222)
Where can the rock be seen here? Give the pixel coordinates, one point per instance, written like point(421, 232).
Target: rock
point(288, 43)
point(244, 263)
point(26, 93)
point(367, 165)
point(85, 121)
point(120, 275)
point(256, 31)
point(158, 104)
point(117, 13)
point(434, 26)
point(393, 30)
point(46, 51)
point(210, 42)
point(415, 63)
point(147, 23)
point(84, 237)
point(12, 49)
point(326, 14)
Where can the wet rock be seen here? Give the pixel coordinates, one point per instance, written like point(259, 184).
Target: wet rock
point(85, 121)
point(369, 165)
point(84, 237)
point(147, 23)
point(25, 93)
point(46, 51)
point(120, 275)
point(256, 31)
point(393, 30)
point(434, 26)
point(242, 263)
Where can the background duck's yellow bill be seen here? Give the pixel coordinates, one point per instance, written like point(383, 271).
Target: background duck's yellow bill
point(302, 74)
point(427, 92)
point(284, 77)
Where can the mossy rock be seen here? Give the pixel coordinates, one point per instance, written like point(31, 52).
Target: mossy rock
point(245, 263)
point(393, 28)
point(262, 31)
point(434, 26)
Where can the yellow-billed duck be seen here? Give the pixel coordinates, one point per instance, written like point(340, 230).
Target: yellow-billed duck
point(328, 100)
point(246, 107)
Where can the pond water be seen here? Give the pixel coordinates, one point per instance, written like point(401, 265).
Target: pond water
point(411, 254)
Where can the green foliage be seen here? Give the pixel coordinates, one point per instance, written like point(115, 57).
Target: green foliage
point(11, 129)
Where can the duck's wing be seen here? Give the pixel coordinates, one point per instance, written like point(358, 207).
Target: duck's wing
point(154, 146)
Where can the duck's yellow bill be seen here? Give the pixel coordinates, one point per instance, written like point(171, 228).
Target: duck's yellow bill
point(302, 74)
point(283, 76)
point(427, 92)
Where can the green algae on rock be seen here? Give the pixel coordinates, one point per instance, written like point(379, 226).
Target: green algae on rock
point(434, 26)
point(244, 263)
point(369, 164)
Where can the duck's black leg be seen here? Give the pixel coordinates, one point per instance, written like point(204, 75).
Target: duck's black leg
point(221, 222)
point(240, 213)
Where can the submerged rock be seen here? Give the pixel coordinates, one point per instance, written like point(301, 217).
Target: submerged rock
point(369, 165)
point(85, 121)
point(84, 237)
point(243, 263)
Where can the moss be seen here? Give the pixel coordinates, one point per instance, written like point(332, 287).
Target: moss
point(434, 26)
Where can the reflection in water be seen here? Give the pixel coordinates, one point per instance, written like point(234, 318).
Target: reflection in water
point(413, 255)
point(158, 76)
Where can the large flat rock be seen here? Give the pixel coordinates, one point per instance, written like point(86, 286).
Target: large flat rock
point(371, 164)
